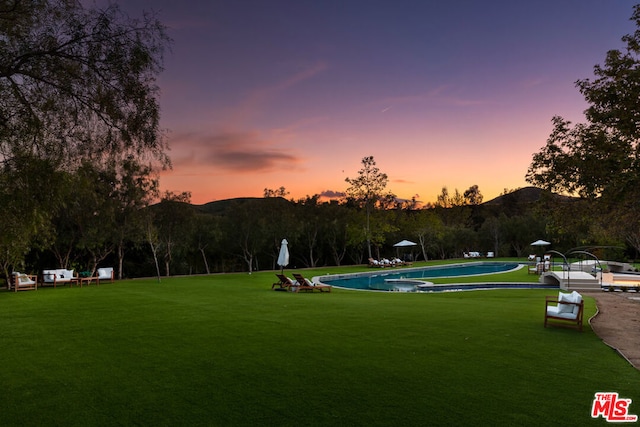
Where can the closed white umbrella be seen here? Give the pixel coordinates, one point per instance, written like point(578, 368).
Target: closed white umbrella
point(283, 257)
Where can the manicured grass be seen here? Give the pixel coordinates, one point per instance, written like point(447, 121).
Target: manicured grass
point(226, 350)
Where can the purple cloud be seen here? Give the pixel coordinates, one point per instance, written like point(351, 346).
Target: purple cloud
point(231, 151)
point(331, 194)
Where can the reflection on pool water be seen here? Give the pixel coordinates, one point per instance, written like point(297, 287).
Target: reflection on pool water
point(417, 279)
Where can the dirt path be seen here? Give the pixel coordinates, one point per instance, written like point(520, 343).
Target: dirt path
point(618, 322)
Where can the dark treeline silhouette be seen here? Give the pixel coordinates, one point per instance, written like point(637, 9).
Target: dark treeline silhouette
point(241, 235)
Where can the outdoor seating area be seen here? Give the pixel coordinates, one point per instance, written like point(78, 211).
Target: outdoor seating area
point(564, 310)
point(388, 263)
point(539, 266)
point(63, 276)
point(22, 282)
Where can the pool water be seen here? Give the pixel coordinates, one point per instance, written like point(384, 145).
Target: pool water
point(417, 279)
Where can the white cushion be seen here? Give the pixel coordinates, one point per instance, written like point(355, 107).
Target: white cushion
point(105, 272)
point(48, 275)
point(59, 275)
point(577, 298)
point(64, 275)
point(553, 311)
point(565, 308)
point(24, 281)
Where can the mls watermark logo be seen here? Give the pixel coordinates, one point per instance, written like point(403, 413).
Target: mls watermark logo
point(612, 408)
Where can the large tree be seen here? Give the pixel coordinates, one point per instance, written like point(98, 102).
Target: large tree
point(599, 157)
point(368, 189)
point(600, 160)
point(77, 85)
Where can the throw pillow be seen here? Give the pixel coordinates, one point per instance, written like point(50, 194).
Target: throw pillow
point(565, 308)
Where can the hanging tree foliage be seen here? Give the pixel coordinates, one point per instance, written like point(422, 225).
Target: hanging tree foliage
point(599, 157)
point(76, 82)
point(76, 85)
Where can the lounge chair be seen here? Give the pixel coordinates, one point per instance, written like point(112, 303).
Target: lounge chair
point(538, 268)
point(387, 262)
point(568, 310)
point(23, 282)
point(375, 263)
point(283, 284)
point(105, 273)
point(303, 284)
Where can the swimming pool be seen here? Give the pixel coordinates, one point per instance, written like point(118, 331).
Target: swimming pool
point(417, 279)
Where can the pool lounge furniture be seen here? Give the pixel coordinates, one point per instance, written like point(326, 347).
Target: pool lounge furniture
point(23, 282)
point(59, 276)
point(538, 268)
point(567, 312)
point(303, 284)
point(375, 263)
point(284, 283)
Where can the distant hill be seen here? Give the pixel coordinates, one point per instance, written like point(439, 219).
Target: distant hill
point(221, 207)
point(524, 195)
point(520, 196)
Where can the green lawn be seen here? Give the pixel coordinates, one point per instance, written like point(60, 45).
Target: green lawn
point(226, 350)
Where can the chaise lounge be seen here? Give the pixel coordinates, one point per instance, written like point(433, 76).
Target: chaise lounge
point(283, 284)
point(304, 284)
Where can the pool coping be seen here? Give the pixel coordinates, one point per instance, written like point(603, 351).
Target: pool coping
point(430, 287)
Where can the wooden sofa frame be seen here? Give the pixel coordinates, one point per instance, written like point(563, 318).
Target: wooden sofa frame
point(563, 321)
point(15, 286)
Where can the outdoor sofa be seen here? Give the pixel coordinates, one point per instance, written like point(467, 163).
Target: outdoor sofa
point(59, 276)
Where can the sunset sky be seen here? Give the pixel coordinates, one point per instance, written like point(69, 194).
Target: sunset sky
point(268, 93)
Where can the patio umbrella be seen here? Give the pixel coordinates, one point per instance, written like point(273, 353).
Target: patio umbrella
point(283, 257)
point(540, 243)
point(403, 244)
